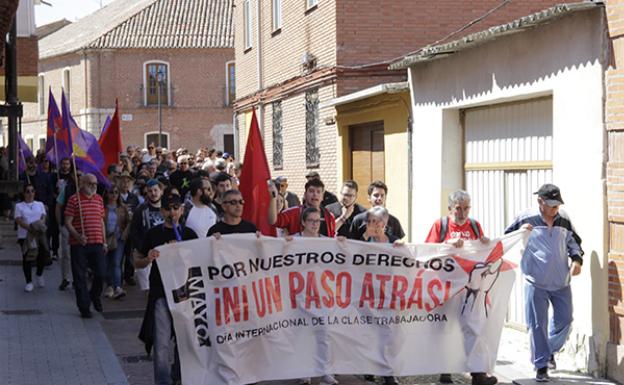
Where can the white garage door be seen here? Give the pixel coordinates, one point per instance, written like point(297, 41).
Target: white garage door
point(508, 154)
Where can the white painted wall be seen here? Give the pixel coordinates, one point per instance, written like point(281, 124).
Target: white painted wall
point(565, 59)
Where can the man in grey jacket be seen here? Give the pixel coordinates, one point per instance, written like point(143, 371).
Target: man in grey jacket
point(553, 254)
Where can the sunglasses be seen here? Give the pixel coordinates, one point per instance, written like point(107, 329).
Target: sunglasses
point(234, 202)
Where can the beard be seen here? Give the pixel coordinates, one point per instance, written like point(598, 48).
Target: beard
point(205, 200)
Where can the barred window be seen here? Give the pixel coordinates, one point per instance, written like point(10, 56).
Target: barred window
point(312, 121)
point(278, 141)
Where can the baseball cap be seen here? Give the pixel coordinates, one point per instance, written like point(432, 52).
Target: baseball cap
point(550, 194)
point(152, 182)
point(226, 155)
point(170, 200)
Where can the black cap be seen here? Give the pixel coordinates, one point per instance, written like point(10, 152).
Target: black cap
point(550, 194)
point(171, 199)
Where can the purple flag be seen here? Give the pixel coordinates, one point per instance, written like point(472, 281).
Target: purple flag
point(105, 127)
point(83, 146)
point(23, 154)
point(55, 131)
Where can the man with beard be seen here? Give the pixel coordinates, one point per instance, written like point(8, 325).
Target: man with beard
point(345, 210)
point(84, 219)
point(146, 216)
point(222, 183)
point(157, 325)
point(181, 178)
point(201, 217)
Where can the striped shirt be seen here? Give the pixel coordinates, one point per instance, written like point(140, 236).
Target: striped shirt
point(92, 214)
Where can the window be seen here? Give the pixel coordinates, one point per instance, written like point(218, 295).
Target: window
point(152, 137)
point(42, 142)
point(41, 94)
point(156, 83)
point(30, 141)
point(247, 24)
point(311, 3)
point(230, 83)
point(67, 84)
point(278, 141)
point(312, 121)
point(228, 143)
point(277, 15)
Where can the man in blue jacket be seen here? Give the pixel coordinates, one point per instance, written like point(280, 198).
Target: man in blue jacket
point(553, 254)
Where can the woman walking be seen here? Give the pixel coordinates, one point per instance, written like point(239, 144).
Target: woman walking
point(117, 220)
point(30, 216)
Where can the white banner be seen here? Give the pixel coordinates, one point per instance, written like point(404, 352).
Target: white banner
point(248, 310)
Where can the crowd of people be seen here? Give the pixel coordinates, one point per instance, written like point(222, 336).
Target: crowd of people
point(109, 234)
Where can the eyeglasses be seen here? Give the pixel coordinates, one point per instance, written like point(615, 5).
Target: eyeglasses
point(91, 183)
point(234, 202)
point(313, 221)
point(173, 207)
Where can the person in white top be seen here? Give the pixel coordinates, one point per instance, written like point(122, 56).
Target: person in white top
point(30, 216)
point(201, 216)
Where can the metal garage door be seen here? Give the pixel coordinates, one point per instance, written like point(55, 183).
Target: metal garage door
point(508, 155)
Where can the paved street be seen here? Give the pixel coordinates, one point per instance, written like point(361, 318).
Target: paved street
point(44, 341)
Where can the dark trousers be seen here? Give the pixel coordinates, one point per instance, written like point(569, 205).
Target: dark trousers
point(27, 265)
point(53, 231)
point(128, 265)
point(91, 256)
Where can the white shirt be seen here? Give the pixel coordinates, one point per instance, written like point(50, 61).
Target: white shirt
point(200, 220)
point(30, 212)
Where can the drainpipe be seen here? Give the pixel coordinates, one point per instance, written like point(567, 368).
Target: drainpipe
point(410, 165)
point(260, 107)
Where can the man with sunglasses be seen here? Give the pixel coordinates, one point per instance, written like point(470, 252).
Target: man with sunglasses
point(232, 222)
point(157, 313)
point(84, 219)
point(454, 229)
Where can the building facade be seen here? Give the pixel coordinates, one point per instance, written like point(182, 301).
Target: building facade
point(505, 110)
point(174, 76)
point(294, 57)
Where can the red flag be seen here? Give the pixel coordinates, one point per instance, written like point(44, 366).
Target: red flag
point(253, 181)
point(110, 141)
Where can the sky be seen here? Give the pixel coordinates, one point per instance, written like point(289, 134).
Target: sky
point(71, 10)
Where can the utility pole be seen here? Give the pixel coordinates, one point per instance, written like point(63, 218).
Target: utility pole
point(159, 79)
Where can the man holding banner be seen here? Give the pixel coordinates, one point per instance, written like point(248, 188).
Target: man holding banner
point(157, 324)
point(553, 254)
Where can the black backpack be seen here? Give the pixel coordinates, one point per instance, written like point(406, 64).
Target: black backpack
point(444, 228)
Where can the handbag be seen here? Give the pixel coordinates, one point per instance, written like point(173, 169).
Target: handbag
point(111, 241)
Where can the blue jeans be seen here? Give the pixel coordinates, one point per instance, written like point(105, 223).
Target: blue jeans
point(91, 255)
point(113, 265)
point(547, 339)
point(164, 340)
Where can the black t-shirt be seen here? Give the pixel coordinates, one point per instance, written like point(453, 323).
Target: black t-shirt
point(182, 180)
point(223, 228)
point(328, 199)
point(336, 210)
point(358, 227)
point(155, 237)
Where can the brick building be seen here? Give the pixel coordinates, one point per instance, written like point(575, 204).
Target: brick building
point(136, 51)
point(294, 57)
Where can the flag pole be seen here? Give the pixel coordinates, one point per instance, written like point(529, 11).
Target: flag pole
point(78, 195)
point(56, 157)
point(25, 171)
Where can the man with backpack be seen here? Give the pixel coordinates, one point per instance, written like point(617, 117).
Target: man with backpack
point(454, 229)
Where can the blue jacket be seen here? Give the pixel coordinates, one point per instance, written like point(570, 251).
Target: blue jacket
point(546, 259)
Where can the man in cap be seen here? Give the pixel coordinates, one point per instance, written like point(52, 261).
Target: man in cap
point(328, 197)
point(181, 178)
point(290, 197)
point(552, 255)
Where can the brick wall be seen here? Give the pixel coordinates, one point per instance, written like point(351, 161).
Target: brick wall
point(197, 82)
point(27, 53)
point(614, 113)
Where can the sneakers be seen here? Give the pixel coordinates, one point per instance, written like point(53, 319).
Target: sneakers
point(39, 281)
point(118, 293)
point(445, 378)
point(483, 379)
point(542, 375)
point(328, 379)
point(108, 293)
point(29, 287)
point(552, 364)
point(64, 284)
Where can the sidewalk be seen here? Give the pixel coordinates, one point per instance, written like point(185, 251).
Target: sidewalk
point(43, 341)
point(42, 338)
